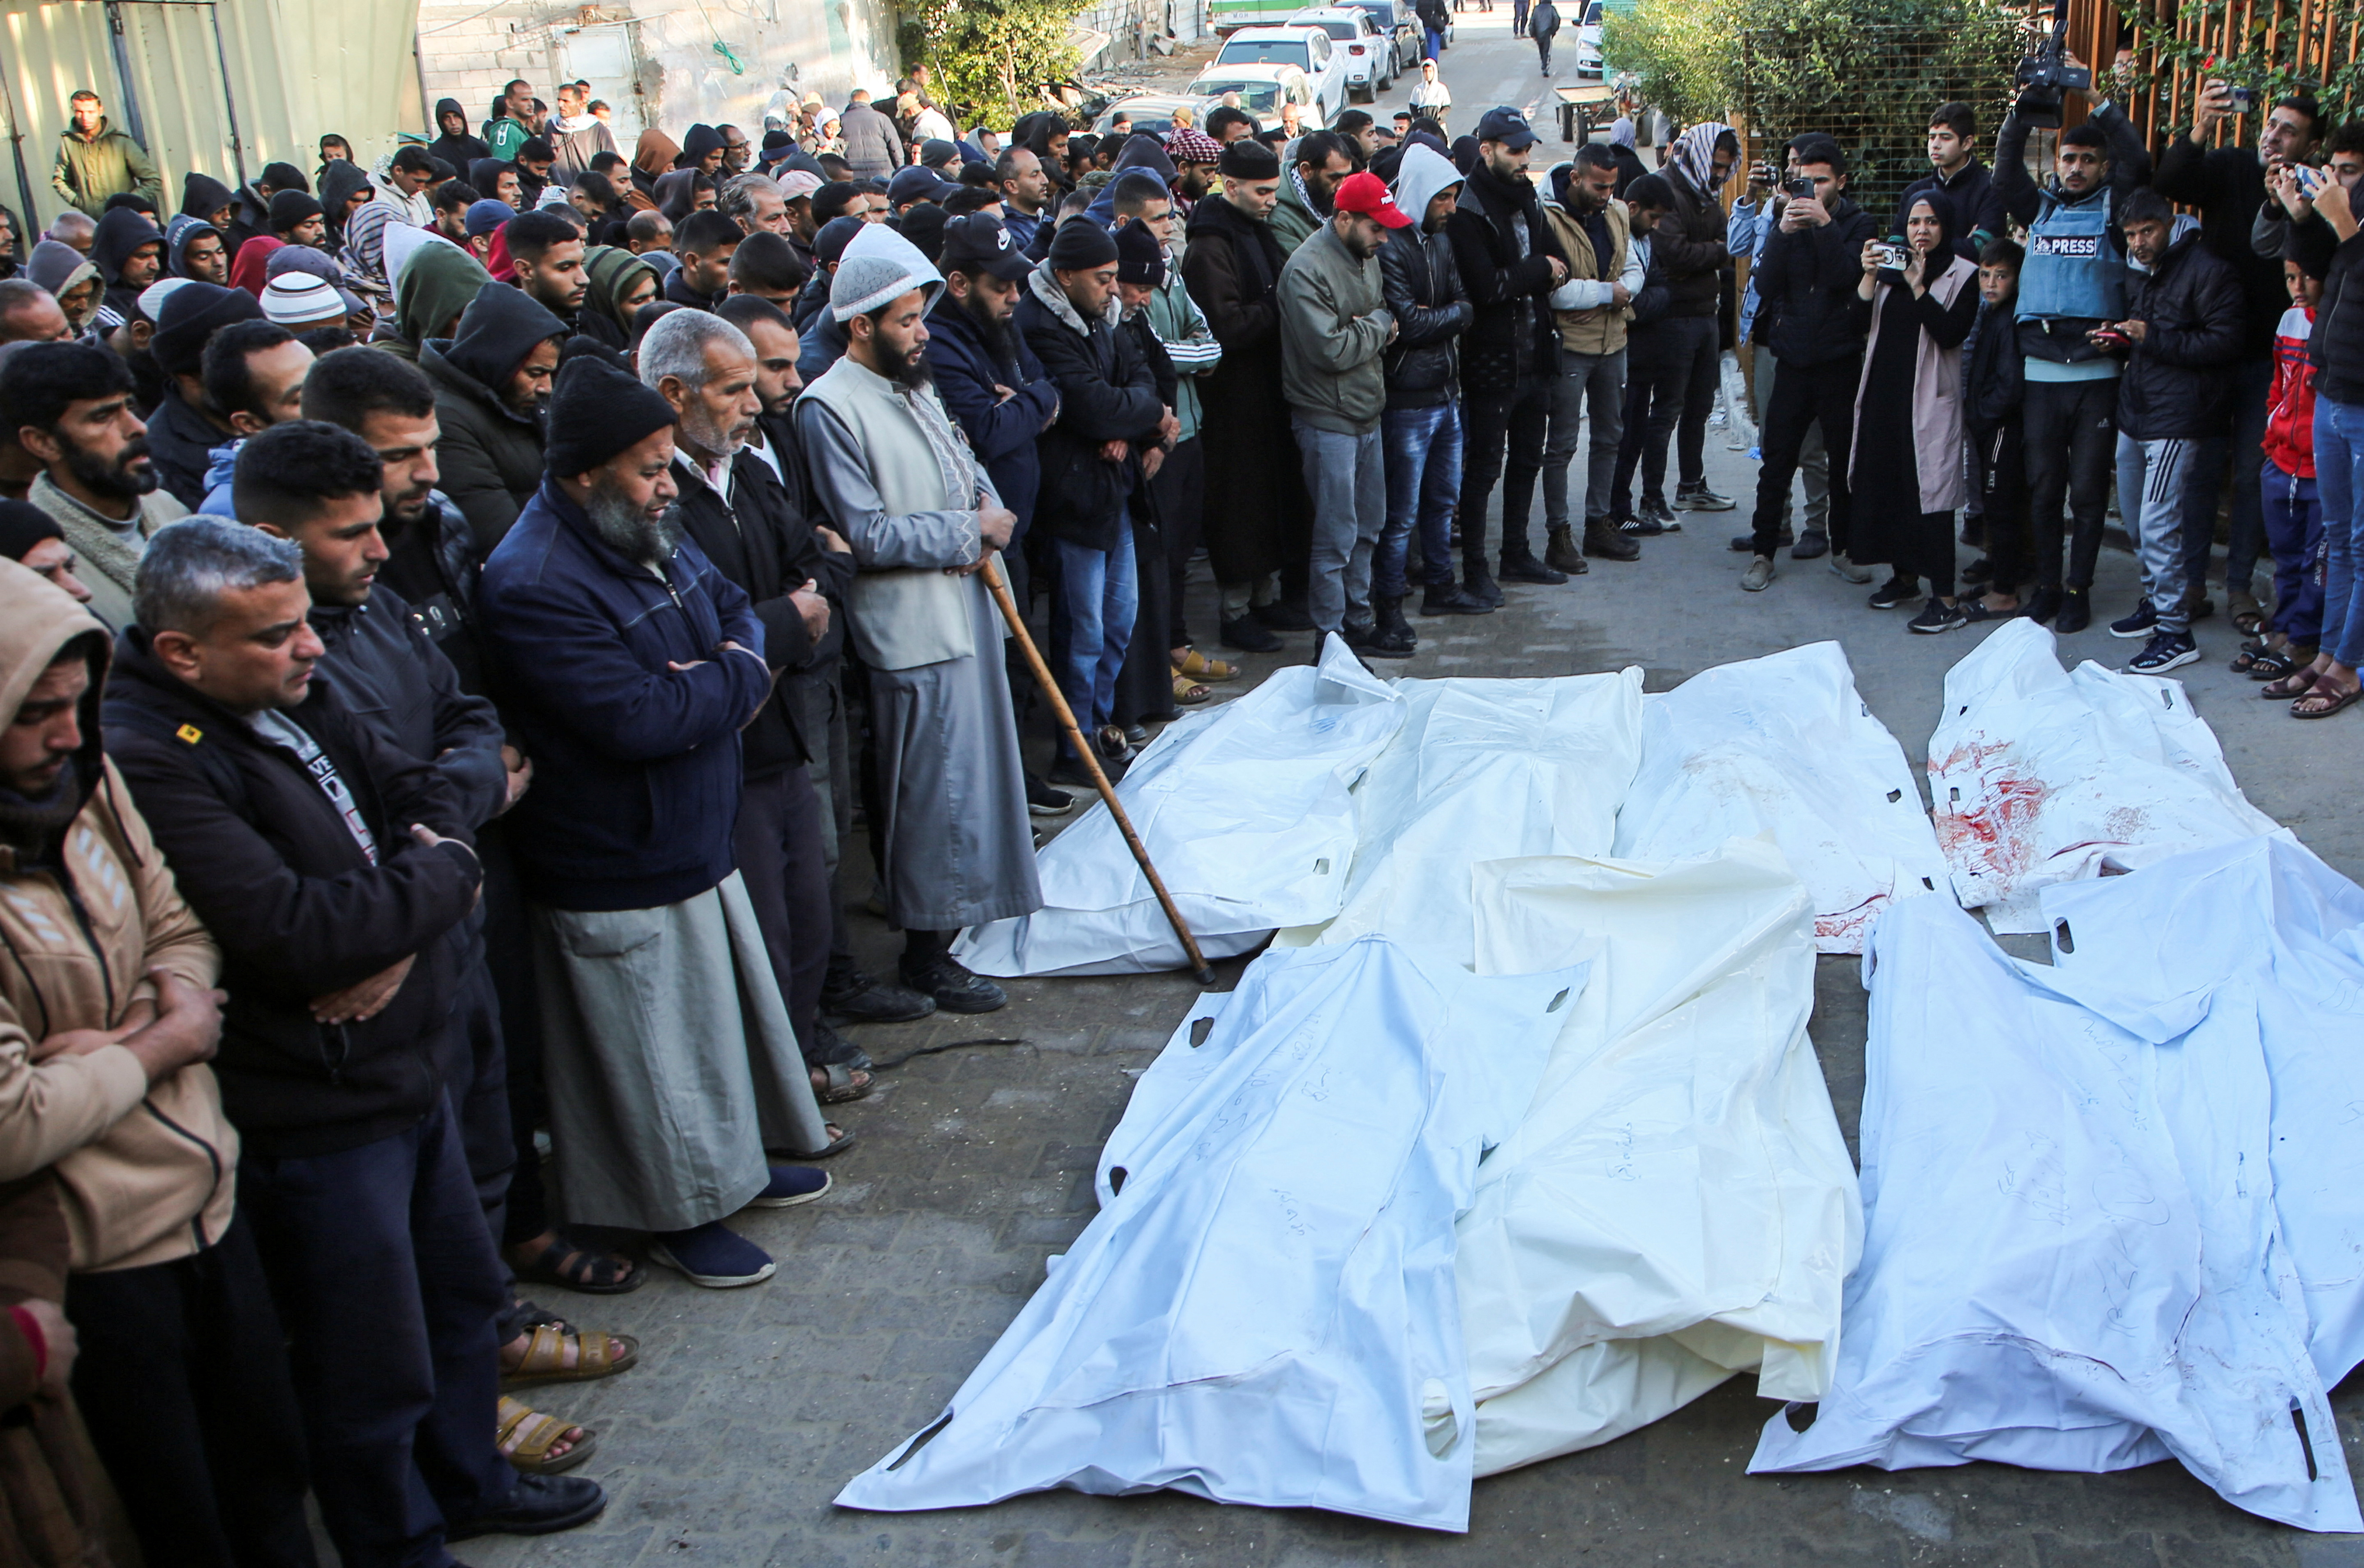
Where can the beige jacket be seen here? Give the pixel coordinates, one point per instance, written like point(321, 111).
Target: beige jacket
point(1601, 331)
point(146, 1174)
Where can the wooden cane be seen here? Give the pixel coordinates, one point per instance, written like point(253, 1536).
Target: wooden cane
point(1001, 596)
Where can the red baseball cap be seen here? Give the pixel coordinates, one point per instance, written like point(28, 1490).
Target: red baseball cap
point(1367, 193)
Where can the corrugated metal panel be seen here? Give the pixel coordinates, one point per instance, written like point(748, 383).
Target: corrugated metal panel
point(296, 71)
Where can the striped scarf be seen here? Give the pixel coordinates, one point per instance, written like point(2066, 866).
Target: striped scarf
point(1694, 154)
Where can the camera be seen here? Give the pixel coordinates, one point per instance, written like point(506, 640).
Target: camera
point(2242, 99)
point(2046, 77)
point(1892, 257)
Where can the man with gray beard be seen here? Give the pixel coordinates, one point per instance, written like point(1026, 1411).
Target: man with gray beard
point(629, 666)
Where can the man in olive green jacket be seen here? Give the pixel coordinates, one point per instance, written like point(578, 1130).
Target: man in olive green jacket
point(96, 160)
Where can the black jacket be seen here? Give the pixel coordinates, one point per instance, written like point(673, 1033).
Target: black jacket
point(1422, 288)
point(1511, 339)
point(298, 910)
point(390, 674)
point(2336, 349)
point(1002, 431)
point(1107, 392)
point(1808, 308)
point(491, 454)
point(762, 540)
point(677, 290)
point(2228, 185)
point(1994, 379)
point(1688, 246)
point(2178, 379)
point(1977, 209)
point(432, 564)
point(181, 442)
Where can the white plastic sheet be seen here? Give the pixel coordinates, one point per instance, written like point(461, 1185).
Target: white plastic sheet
point(2039, 775)
point(2072, 1259)
point(1265, 1312)
point(1482, 770)
point(1677, 1204)
point(1784, 746)
point(1245, 811)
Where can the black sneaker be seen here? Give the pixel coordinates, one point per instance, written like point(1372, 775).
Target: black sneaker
point(862, 1000)
point(538, 1505)
point(2042, 605)
point(1894, 592)
point(1044, 801)
point(2166, 650)
point(2142, 623)
point(954, 988)
point(1699, 498)
point(1937, 616)
point(1635, 526)
point(1659, 512)
point(1447, 599)
point(1479, 585)
point(1282, 616)
point(1527, 568)
point(1250, 636)
point(2075, 612)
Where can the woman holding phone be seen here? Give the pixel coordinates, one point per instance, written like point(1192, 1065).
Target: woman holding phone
point(1904, 465)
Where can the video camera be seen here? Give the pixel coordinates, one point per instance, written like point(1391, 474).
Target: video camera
point(2046, 77)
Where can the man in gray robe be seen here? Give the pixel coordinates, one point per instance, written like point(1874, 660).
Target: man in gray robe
point(632, 665)
point(899, 480)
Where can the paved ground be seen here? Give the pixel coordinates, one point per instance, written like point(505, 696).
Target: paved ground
point(751, 1407)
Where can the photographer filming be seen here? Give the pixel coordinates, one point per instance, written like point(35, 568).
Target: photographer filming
point(2075, 280)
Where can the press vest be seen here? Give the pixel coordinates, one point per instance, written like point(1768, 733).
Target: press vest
point(2074, 269)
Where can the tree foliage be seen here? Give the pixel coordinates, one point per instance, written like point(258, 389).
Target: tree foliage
point(2262, 53)
point(993, 55)
point(1868, 71)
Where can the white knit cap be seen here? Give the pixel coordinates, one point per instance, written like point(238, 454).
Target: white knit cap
point(153, 297)
point(302, 300)
point(879, 265)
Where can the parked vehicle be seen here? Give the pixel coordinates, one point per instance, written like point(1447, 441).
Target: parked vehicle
point(1395, 19)
point(1589, 63)
point(1153, 113)
point(1370, 54)
point(1227, 16)
point(1307, 47)
point(1261, 90)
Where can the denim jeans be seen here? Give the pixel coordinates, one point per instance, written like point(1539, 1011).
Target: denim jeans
point(2294, 520)
point(1348, 481)
point(2339, 481)
point(2153, 480)
point(1091, 624)
point(1599, 381)
point(1423, 463)
point(2253, 383)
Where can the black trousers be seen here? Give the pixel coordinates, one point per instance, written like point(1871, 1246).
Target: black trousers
point(183, 1380)
point(2003, 500)
point(1181, 487)
point(388, 1285)
point(1690, 341)
point(1657, 376)
point(780, 859)
point(1803, 394)
point(1520, 417)
point(508, 962)
point(2072, 434)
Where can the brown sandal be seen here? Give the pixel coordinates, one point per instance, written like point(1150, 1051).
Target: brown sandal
point(2297, 684)
point(596, 1354)
point(2331, 702)
point(525, 1437)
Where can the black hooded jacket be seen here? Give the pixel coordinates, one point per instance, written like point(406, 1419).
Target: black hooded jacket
point(202, 196)
point(121, 231)
point(1512, 340)
point(296, 906)
point(457, 150)
point(338, 183)
point(2178, 379)
point(491, 455)
point(1806, 282)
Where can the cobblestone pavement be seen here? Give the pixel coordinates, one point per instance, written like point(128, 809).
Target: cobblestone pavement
point(751, 1407)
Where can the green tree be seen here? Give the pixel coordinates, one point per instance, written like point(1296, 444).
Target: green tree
point(1868, 71)
point(994, 54)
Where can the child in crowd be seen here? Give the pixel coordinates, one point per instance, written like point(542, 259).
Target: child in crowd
point(2293, 512)
point(1993, 388)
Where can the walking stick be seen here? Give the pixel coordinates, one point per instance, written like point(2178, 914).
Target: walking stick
point(1199, 966)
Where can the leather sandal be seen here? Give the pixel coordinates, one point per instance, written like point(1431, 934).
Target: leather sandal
point(1189, 693)
point(597, 1353)
point(1199, 667)
point(525, 1437)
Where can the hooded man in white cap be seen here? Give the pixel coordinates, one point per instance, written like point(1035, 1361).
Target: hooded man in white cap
point(899, 483)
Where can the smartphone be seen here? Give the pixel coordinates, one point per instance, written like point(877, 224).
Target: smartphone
point(2310, 181)
point(1765, 174)
point(1800, 189)
point(2242, 99)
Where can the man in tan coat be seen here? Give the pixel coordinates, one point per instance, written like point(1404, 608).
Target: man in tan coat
point(107, 1015)
point(1590, 308)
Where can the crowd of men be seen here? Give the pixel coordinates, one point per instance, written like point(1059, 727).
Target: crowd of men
point(455, 611)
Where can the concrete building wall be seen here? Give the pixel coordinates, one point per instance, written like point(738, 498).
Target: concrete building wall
point(657, 61)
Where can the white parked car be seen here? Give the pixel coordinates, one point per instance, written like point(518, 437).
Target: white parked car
point(1589, 63)
point(1261, 90)
point(1369, 55)
point(1395, 19)
point(1308, 48)
point(1152, 114)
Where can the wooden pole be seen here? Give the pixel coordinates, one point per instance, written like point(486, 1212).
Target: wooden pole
point(1199, 969)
